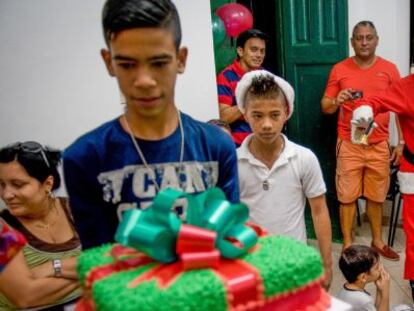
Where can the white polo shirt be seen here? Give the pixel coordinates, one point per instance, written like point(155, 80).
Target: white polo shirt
point(295, 176)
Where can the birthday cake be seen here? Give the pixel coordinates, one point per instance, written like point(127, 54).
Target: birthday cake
point(214, 261)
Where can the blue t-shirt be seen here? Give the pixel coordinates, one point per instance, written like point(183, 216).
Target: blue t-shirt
point(105, 176)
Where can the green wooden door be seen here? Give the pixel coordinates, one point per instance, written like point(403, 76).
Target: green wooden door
point(314, 37)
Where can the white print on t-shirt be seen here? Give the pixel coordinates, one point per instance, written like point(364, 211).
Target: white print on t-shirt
point(189, 177)
point(180, 207)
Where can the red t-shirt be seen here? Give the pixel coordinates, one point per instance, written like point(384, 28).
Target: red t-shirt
point(347, 74)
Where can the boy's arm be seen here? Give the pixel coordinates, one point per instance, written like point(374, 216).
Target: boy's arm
point(322, 225)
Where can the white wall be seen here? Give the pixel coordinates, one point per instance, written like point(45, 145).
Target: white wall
point(392, 20)
point(54, 86)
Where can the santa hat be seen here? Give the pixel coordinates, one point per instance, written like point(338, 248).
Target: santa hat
point(246, 82)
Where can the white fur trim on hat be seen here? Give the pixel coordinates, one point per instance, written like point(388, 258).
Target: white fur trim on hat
point(246, 82)
point(362, 116)
point(406, 182)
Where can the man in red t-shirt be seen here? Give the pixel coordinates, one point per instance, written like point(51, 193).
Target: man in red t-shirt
point(362, 75)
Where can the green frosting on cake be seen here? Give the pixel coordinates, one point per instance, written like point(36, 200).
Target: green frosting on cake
point(283, 263)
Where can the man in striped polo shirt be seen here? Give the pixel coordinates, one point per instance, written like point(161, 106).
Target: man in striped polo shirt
point(251, 48)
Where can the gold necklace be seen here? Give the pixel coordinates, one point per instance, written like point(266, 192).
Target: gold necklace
point(141, 154)
point(50, 224)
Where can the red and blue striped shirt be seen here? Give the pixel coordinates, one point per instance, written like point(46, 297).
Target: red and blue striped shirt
point(226, 86)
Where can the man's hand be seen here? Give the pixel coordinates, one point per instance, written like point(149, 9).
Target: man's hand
point(396, 154)
point(343, 96)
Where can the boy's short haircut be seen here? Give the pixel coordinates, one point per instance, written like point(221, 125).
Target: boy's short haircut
point(262, 83)
point(118, 15)
point(264, 86)
point(357, 259)
point(248, 34)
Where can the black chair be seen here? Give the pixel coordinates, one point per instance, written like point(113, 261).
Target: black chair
point(394, 195)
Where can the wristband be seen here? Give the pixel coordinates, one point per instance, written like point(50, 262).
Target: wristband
point(57, 267)
point(401, 142)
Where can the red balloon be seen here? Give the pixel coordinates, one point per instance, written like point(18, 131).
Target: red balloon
point(236, 18)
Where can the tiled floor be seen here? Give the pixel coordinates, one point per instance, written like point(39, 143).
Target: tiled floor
point(400, 290)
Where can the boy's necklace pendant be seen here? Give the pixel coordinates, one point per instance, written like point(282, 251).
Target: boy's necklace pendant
point(265, 185)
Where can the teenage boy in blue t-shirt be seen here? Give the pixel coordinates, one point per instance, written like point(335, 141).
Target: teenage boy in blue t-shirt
point(124, 163)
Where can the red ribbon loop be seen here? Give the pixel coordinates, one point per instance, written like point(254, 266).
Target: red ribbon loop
point(196, 248)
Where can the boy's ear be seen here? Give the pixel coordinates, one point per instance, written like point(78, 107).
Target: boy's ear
point(363, 277)
point(107, 58)
point(182, 59)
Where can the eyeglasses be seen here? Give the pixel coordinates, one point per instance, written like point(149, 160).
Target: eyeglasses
point(32, 147)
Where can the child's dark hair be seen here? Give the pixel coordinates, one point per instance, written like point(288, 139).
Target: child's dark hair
point(118, 15)
point(38, 161)
point(265, 86)
point(220, 123)
point(357, 259)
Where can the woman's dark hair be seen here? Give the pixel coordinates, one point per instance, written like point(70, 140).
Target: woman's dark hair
point(357, 259)
point(118, 15)
point(39, 162)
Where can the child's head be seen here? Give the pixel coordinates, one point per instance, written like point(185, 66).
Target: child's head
point(359, 262)
point(266, 101)
point(144, 53)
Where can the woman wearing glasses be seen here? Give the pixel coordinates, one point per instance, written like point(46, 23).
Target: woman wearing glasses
point(28, 177)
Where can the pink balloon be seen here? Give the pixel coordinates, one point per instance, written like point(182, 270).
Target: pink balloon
point(236, 18)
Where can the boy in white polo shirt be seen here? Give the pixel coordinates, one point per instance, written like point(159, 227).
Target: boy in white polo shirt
point(276, 176)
